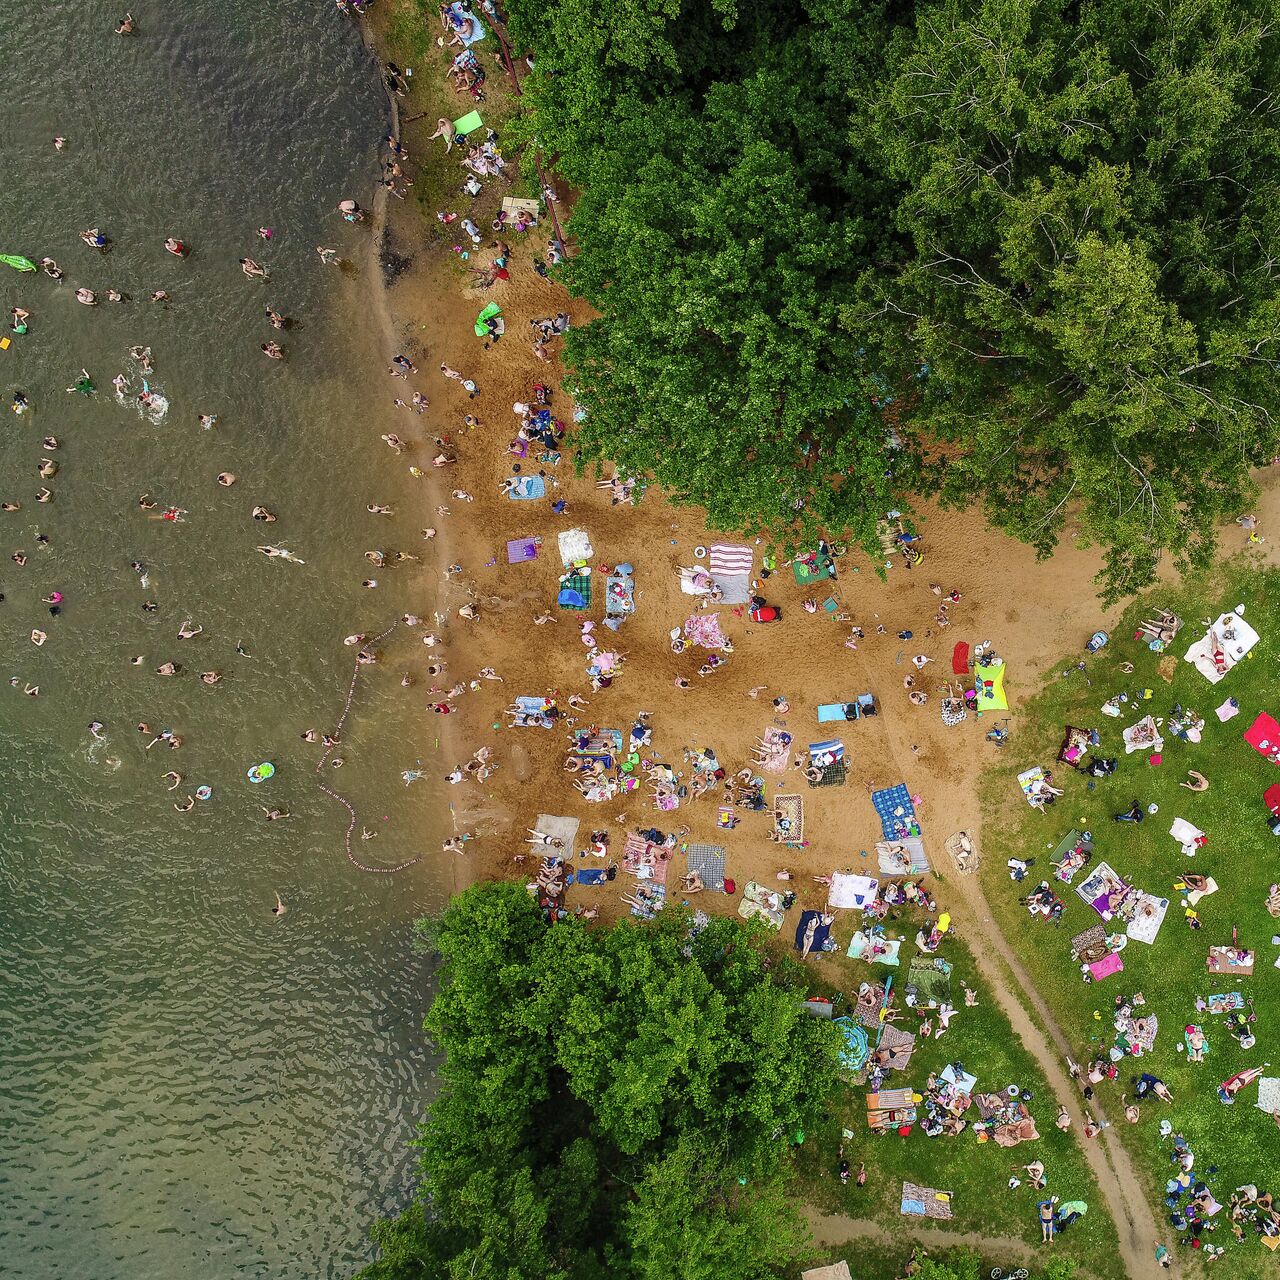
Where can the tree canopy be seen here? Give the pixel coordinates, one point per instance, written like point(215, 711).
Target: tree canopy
point(615, 1102)
point(1018, 252)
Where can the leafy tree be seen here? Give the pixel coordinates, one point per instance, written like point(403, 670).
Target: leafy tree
point(615, 1102)
point(720, 230)
point(1090, 205)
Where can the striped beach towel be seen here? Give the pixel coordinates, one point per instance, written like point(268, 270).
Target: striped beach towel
point(727, 558)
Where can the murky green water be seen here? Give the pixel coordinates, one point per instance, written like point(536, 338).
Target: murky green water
point(188, 1085)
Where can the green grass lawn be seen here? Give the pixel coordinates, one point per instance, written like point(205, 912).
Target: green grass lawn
point(1233, 1144)
point(977, 1173)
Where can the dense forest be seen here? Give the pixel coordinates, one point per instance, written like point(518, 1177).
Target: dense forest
point(1015, 253)
point(614, 1102)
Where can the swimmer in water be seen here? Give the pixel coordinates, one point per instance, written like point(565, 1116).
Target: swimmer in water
point(87, 297)
point(127, 26)
point(252, 269)
point(208, 420)
point(145, 503)
point(174, 778)
point(226, 479)
point(59, 143)
point(274, 815)
point(168, 669)
point(377, 509)
point(50, 442)
point(32, 690)
point(327, 256)
point(94, 238)
point(279, 909)
point(276, 320)
point(309, 735)
point(142, 356)
point(162, 295)
point(175, 247)
point(95, 728)
point(211, 677)
point(273, 351)
point(188, 630)
point(114, 295)
point(50, 268)
point(261, 513)
point(19, 320)
point(183, 806)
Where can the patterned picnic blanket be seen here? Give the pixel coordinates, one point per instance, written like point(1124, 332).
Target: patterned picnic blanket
point(902, 857)
point(896, 812)
point(704, 629)
point(925, 1202)
point(575, 591)
point(707, 860)
point(792, 810)
point(928, 982)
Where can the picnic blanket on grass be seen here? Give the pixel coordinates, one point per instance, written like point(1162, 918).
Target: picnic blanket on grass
point(874, 948)
point(1263, 735)
point(1105, 967)
point(1269, 1095)
point(707, 860)
point(1229, 960)
point(1070, 855)
point(1104, 890)
point(1090, 945)
point(814, 570)
point(1027, 777)
point(730, 566)
point(1143, 736)
point(1148, 916)
point(1222, 646)
point(925, 1202)
point(896, 812)
point(897, 1047)
point(791, 825)
point(902, 857)
point(928, 982)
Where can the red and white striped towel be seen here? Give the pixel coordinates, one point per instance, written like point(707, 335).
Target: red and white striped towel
point(730, 559)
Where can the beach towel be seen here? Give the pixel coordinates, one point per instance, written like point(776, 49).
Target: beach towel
point(831, 711)
point(1263, 735)
point(925, 1202)
point(851, 891)
point(1228, 711)
point(593, 876)
point(1148, 916)
point(963, 1080)
point(963, 851)
point(695, 581)
point(1066, 858)
point(730, 566)
point(821, 932)
point(896, 1047)
point(527, 488)
point(988, 682)
point(1194, 895)
point(1143, 736)
point(564, 829)
point(791, 828)
point(1225, 1002)
point(575, 547)
point(904, 857)
point(707, 860)
point(465, 124)
point(875, 948)
point(651, 898)
point(829, 756)
point(960, 658)
point(759, 903)
point(1186, 834)
point(520, 550)
point(1230, 960)
point(1027, 777)
point(778, 745)
point(1105, 967)
point(575, 592)
point(928, 982)
point(896, 812)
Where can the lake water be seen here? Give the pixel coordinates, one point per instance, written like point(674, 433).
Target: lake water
point(190, 1086)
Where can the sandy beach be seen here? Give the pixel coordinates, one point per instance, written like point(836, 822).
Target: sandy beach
point(1031, 612)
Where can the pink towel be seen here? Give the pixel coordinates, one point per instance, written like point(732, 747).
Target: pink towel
point(1105, 967)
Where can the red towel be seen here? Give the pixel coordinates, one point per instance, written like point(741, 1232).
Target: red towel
point(1263, 734)
point(960, 658)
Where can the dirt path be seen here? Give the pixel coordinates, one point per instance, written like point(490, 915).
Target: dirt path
point(837, 1229)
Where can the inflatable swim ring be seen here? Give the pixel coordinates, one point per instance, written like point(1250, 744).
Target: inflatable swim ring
point(261, 772)
point(203, 793)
